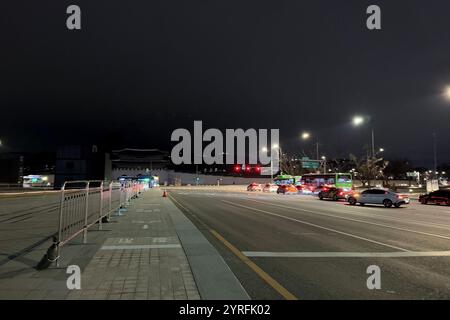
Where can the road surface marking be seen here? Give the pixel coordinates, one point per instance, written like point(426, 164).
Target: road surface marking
point(318, 226)
point(265, 276)
point(356, 220)
point(369, 213)
point(261, 273)
point(142, 246)
point(263, 254)
point(145, 226)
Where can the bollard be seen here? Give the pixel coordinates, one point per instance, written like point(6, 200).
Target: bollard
point(50, 257)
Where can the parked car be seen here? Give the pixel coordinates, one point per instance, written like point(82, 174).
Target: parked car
point(333, 193)
point(270, 187)
point(388, 198)
point(254, 187)
point(436, 197)
point(287, 189)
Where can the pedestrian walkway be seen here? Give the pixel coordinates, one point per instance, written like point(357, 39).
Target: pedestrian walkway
point(141, 259)
point(149, 250)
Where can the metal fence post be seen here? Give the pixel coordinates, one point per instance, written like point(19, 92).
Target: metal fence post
point(100, 226)
point(61, 210)
point(86, 212)
point(110, 200)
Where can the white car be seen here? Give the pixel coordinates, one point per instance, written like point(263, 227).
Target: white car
point(388, 198)
point(270, 187)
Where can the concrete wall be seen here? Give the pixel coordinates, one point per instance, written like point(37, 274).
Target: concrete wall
point(171, 177)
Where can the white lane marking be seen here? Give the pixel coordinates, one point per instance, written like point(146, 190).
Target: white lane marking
point(369, 213)
point(318, 226)
point(145, 226)
point(264, 254)
point(126, 240)
point(142, 246)
point(357, 220)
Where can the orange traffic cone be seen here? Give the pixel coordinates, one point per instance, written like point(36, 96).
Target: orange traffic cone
point(165, 193)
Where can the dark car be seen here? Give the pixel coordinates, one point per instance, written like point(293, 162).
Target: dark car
point(333, 193)
point(436, 197)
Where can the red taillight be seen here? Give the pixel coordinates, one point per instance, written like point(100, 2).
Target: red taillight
point(247, 168)
point(325, 189)
point(341, 193)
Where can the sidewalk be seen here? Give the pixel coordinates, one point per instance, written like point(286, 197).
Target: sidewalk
point(149, 251)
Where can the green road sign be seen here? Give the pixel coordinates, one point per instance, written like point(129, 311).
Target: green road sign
point(310, 164)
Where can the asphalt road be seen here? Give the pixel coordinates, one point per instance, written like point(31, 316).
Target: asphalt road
point(298, 247)
point(26, 221)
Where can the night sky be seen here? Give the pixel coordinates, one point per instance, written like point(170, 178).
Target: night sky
point(139, 69)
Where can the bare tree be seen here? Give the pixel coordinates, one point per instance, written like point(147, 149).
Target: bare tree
point(368, 169)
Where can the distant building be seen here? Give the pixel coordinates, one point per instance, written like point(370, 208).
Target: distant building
point(81, 163)
point(135, 163)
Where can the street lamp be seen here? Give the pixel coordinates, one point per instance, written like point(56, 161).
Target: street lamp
point(274, 147)
point(381, 149)
point(324, 164)
point(306, 136)
point(359, 120)
point(447, 92)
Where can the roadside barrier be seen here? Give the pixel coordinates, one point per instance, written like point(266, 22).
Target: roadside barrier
point(84, 204)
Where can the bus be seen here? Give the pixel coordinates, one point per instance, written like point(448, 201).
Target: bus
point(311, 181)
point(286, 179)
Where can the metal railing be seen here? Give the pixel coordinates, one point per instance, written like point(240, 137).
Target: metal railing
point(84, 204)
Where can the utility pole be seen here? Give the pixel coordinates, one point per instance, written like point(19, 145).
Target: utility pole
point(435, 154)
point(373, 144)
point(317, 150)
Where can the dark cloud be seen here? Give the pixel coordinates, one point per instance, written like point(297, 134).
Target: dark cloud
point(139, 69)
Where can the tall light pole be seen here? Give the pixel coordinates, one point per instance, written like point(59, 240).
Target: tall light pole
point(324, 164)
point(358, 121)
point(274, 147)
point(306, 136)
point(435, 153)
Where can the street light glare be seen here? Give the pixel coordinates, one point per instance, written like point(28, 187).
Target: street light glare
point(358, 120)
point(275, 146)
point(264, 149)
point(447, 92)
point(305, 135)
point(381, 149)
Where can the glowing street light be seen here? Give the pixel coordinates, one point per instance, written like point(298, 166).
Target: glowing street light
point(447, 92)
point(324, 159)
point(358, 120)
point(305, 136)
point(381, 149)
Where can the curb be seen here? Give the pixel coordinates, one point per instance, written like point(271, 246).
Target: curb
point(214, 278)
